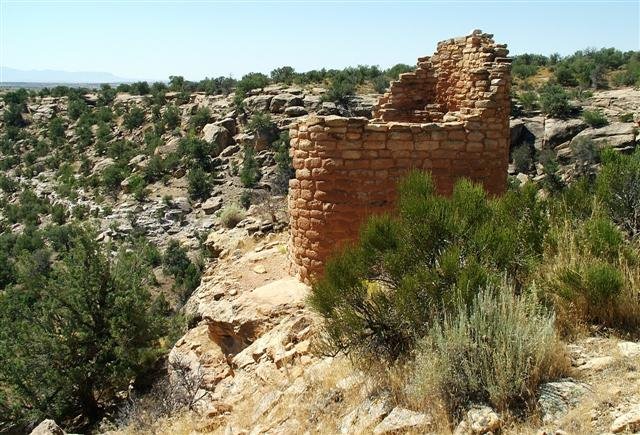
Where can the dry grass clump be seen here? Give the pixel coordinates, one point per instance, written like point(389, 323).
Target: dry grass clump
point(592, 276)
point(231, 215)
point(496, 351)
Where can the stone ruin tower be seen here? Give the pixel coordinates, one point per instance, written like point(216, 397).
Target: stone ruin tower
point(449, 117)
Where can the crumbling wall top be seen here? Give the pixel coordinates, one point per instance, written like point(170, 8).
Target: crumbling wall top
point(449, 84)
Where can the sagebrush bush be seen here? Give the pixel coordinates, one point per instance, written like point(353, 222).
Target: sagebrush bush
point(231, 215)
point(497, 350)
point(378, 295)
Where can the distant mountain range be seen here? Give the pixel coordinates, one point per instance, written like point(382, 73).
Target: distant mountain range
point(12, 75)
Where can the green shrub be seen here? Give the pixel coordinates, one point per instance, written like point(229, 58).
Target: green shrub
point(377, 296)
point(341, 89)
point(284, 163)
point(175, 260)
point(590, 275)
point(249, 82)
point(626, 117)
point(595, 118)
point(528, 99)
point(554, 101)
point(564, 76)
point(56, 130)
point(199, 152)
point(618, 187)
point(139, 88)
point(154, 170)
point(200, 184)
point(134, 118)
point(171, 117)
point(523, 71)
point(231, 215)
point(112, 177)
point(381, 84)
point(250, 172)
point(75, 108)
point(8, 185)
point(138, 187)
point(284, 74)
point(262, 124)
point(497, 351)
point(200, 118)
point(245, 199)
point(106, 95)
point(75, 336)
point(522, 158)
point(584, 150)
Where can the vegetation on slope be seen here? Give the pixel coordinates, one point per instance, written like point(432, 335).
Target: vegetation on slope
point(469, 291)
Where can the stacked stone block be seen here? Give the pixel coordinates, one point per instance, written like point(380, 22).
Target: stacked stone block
point(449, 117)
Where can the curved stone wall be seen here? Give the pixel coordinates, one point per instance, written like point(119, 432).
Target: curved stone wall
point(454, 122)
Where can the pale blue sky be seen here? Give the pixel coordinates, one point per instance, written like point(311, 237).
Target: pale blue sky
point(198, 38)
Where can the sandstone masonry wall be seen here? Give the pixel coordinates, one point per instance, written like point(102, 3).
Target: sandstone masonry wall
point(449, 117)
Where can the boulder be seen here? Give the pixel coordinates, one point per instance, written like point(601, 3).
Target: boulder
point(170, 147)
point(556, 398)
point(103, 164)
point(616, 135)
point(212, 205)
point(533, 131)
point(312, 102)
point(483, 420)
point(47, 427)
point(214, 133)
point(401, 420)
point(182, 203)
point(197, 355)
point(257, 103)
point(362, 105)
point(629, 349)
point(515, 129)
point(366, 415)
point(281, 101)
point(629, 421)
point(295, 111)
point(138, 162)
point(228, 123)
point(557, 131)
point(328, 108)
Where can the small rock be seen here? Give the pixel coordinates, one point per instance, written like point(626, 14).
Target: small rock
point(295, 111)
point(629, 421)
point(557, 397)
point(401, 419)
point(629, 349)
point(598, 363)
point(47, 427)
point(482, 419)
point(259, 269)
point(212, 205)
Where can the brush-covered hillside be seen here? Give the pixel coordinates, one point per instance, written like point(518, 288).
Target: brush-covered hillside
point(144, 283)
